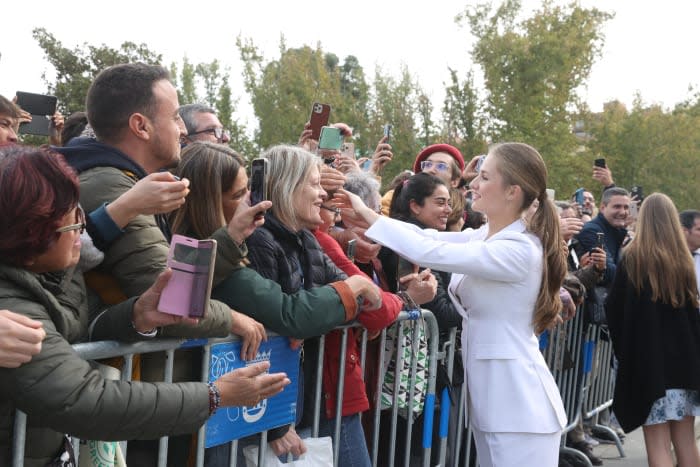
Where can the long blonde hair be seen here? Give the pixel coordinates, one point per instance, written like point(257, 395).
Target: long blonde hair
point(520, 164)
point(659, 255)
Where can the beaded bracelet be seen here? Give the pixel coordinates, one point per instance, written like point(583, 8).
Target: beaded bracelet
point(214, 398)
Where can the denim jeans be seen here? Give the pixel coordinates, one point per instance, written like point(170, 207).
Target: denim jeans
point(352, 446)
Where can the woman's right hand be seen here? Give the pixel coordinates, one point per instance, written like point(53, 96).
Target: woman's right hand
point(246, 219)
point(362, 286)
point(290, 442)
point(247, 386)
point(420, 286)
point(347, 200)
point(20, 339)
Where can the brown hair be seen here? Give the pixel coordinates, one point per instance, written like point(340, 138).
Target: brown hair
point(211, 168)
point(521, 165)
point(659, 255)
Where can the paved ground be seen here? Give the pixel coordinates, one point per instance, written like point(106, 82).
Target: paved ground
point(635, 454)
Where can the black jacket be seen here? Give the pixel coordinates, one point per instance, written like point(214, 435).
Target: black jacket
point(614, 237)
point(296, 261)
point(657, 347)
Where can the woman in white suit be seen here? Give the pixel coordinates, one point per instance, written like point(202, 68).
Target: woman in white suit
point(505, 282)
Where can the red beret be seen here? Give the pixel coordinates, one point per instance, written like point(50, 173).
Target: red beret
point(451, 150)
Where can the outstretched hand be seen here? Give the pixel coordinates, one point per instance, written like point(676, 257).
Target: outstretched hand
point(247, 386)
point(347, 200)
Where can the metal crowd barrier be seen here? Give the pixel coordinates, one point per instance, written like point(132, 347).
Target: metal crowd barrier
point(578, 354)
point(600, 378)
point(108, 349)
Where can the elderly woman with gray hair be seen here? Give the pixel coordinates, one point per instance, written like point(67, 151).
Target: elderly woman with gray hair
point(285, 250)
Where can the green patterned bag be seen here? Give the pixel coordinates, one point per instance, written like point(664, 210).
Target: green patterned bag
point(414, 343)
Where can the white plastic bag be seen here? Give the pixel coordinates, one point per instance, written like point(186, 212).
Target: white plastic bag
point(319, 453)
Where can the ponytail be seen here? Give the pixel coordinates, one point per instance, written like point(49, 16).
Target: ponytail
point(545, 225)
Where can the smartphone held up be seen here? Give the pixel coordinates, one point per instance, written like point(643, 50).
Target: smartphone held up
point(188, 290)
point(320, 113)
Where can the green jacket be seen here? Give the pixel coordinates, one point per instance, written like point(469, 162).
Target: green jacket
point(304, 314)
point(137, 257)
point(60, 391)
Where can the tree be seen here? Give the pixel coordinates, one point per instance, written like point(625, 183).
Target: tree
point(533, 70)
point(283, 90)
point(76, 68)
point(463, 120)
point(395, 102)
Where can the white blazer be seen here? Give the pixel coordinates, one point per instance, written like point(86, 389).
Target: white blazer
point(495, 283)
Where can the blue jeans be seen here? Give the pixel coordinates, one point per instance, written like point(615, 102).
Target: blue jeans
point(352, 450)
point(352, 446)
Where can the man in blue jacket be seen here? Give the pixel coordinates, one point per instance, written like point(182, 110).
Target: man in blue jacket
point(611, 221)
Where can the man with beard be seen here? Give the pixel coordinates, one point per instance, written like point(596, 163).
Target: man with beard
point(610, 221)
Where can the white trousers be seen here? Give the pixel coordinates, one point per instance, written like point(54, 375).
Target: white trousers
point(517, 449)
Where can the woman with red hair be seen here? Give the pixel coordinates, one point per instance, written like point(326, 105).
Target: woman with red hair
point(59, 391)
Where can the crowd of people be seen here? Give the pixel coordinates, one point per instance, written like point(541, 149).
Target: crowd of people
point(84, 239)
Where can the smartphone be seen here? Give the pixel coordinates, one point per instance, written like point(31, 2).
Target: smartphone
point(39, 106)
point(600, 241)
point(348, 150)
point(350, 250)
point(403, 268)
point(637, 191)
point(258, 181)
point(578, 196)
point(331, 138)
point(320, 113)
point(387, 132)
point(600, 162)
point(479, 163)
point(188, 290)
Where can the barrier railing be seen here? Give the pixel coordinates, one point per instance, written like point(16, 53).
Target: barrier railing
point(578, 355)
point(600, 378)
point(109, 349)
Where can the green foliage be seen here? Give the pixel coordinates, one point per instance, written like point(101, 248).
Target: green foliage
point(532, 70)
point(651, 147)
point(76, 68)
point(463, 117)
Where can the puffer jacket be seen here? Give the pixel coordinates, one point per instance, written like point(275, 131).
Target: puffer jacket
point(354, 394)
point(296, 261)
point(61, 393)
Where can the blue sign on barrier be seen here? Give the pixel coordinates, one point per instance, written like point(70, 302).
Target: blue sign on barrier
point(231, 423)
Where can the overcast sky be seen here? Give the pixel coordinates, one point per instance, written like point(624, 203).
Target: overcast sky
point(650, 45)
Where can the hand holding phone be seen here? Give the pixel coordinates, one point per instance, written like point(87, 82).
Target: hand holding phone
point(258, 181)
point(188, 290)
point(40, 106)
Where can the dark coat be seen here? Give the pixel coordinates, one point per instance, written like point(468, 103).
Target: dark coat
point(61, 393)
point(296, 261)
point(614, 237)
point(657, 347)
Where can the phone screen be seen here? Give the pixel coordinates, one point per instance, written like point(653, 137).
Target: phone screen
point(320, 113)
point(578, 197)
point(599, 162)
point(258, 181)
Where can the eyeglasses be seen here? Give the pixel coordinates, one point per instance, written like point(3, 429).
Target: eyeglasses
point(218, 132)
point(439, 166)
point(335, 211)
point(79, 225)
